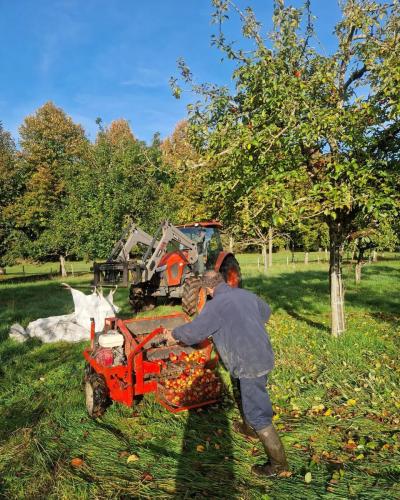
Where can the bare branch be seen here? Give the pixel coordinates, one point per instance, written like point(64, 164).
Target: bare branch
point(356, 75)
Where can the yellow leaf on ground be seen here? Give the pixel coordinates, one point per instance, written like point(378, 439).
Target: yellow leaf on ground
point(351, 402)
point(308, 478)
point(328, 412)
point(132, 458)
point(200, 448)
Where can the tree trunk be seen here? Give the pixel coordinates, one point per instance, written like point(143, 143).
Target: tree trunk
point(270, 237)
point(264, 255)
point(359, 264)
point(63, 269)
point(336, 284)
point(231, 244)
point(306, 258)
point(374, 256)
point(358, 272)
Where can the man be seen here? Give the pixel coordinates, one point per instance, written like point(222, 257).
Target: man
point(235, 319)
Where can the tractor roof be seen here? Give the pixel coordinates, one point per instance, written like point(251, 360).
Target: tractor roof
point(211, 223)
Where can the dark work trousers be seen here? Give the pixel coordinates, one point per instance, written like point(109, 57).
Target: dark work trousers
point(256, 405)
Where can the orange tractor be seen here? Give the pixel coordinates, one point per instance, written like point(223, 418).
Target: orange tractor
point(169, 264)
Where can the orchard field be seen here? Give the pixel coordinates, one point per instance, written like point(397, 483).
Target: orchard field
point(336, 403)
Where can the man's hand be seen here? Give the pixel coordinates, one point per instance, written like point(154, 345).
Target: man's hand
point(169, 337)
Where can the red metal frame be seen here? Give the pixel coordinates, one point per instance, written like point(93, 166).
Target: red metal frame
point(125, 382)
point(175, 258)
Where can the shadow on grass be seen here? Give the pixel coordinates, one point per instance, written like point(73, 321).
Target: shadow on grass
point(22, 365)
point(294, 293)
point(305, 293)
point(205, 463)
point(13, 350)
point(207, 473)
point(26, 302)
point(21, 415)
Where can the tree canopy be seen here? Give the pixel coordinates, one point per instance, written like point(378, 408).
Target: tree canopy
point(303, 134)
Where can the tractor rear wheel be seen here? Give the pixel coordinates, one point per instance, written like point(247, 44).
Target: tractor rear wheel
point(96, 395)
point(230, 270)
point(191, 295)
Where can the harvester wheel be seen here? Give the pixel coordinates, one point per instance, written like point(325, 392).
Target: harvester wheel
point(230, 270)
point(96, 394)
point(191, 295)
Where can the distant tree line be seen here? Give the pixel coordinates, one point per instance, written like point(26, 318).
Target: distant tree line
point(62, 196)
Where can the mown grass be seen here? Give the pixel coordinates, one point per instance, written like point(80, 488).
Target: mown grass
point(337, 403)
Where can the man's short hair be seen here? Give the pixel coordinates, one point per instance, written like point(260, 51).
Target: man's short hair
point(211, 279)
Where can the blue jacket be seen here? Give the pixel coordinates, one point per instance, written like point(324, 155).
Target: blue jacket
point(235, 318)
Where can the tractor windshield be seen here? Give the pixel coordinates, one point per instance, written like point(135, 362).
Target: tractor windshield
point(208, 239)
point(210, 235)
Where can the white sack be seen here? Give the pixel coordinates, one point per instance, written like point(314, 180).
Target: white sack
point(73, 327)
point(57, 328)
point(94, 306)
point(18, 333)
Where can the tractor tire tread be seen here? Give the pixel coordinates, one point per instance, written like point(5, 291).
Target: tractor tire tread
point(190, 295)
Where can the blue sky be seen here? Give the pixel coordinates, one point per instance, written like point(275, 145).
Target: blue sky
point(114, 58)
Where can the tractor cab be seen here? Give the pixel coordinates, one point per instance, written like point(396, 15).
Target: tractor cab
point(208, 239)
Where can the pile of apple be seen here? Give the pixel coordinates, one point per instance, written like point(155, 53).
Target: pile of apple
point(195, 384)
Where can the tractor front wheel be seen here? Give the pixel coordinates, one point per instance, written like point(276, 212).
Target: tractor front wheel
point(140, 301)
point(96, 395)
point(193, 296)
point(230, 270)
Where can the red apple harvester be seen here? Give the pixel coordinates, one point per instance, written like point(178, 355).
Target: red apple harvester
point(132, 357)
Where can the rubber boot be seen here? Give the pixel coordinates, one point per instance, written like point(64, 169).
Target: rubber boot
point(242, 427)
point(276, 453)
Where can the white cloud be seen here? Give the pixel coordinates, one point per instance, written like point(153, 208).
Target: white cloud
point(146, 78)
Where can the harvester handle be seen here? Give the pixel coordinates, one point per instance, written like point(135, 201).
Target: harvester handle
point(151, 335)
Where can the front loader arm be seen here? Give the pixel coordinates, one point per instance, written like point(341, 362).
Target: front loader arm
point(170, 233)
point(130, 238)
point(183, 240)
point(137, 236)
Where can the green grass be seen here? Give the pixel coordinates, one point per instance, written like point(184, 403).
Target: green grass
point(337, 403)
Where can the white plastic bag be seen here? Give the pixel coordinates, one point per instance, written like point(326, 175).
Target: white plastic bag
point(94, 306)
point(73, 327)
